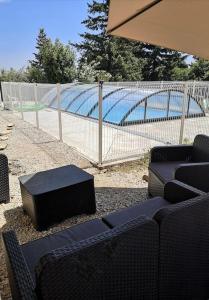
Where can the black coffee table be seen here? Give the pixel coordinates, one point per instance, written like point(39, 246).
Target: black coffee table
point(54, 195)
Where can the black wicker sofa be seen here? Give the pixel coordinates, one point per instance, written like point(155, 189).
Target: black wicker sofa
point(183, 240)
point(4, 179)
point(186, 163)
point(155, 250)
point(89, 261)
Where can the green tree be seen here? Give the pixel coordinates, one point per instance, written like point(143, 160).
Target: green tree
point(53, 62)
point(59, 63)
point(14, 75)
point(35, 74)
point(160, 62)
point(88, 73)
point(36, 71)
point(180, 74)
point(199, 70)
point(111, 54)
point(122, 58)
point(42, 42)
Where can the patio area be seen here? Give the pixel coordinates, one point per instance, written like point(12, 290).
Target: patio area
point(104, 152)
point(31, 150)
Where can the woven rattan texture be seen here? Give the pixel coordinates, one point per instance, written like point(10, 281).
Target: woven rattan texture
point(4, 179)
point(121, 264)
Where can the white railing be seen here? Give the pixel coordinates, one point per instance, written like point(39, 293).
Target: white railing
point(130, 117)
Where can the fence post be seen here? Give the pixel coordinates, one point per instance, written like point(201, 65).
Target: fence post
point(193, 89)
point(36, 104)
point(59, 112)
point(10, 104)
point(168, 103)
point(184, 105)
point(145, 109)
point(20, 100)
point(100, 122)
point(1, 93)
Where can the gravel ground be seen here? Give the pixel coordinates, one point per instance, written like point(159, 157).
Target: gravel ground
point(30, 150)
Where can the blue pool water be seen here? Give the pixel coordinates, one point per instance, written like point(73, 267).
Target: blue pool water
point(123, 106)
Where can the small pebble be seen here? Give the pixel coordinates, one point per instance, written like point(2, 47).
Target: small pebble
point(3, 133)
point(3, 146)
point(145, 178)
point(4, 138)
point(10, 125)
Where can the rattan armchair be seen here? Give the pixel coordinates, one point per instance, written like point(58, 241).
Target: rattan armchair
point(186, 163)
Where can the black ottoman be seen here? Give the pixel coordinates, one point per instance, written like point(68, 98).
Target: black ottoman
point(54, 195)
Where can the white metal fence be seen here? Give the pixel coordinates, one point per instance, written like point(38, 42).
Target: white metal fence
point(126, 120)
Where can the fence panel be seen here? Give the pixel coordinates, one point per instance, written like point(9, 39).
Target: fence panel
point(47, 116)
point(134, 116)
point(138, 116)
point(6, 95)
point(11, 94)
point(199, 94)
point(78, 130)
point(27, 102)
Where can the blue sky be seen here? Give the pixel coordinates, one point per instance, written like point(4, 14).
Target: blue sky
point(20, 21)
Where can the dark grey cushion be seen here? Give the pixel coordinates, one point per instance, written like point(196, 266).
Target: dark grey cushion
point(165, 170)
point(121, 263)
point(147, 208)
point(34, 250)
point(200, 151)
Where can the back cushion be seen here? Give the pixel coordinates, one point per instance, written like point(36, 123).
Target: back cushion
point(184, 255)
point(121, 263)
point(200, 151)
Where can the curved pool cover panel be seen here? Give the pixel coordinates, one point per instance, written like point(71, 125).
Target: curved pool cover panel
point(123, 106)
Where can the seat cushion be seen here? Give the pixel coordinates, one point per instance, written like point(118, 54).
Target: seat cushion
point(34, 250)
point(165, 170)
point(147, 208)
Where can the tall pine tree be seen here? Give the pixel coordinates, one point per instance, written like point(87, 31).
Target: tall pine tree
point(113, 55)
point(41, 43)
point(160, 62)
point(36, 71)
point(122, 58)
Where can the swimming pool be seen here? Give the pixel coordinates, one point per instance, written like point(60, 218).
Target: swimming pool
point(124, 106)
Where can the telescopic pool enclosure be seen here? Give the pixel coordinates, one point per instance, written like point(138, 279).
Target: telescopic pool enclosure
point(108, 122)
point(124, 106)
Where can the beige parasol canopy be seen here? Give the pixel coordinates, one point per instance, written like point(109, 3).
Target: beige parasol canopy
point(182, 25)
